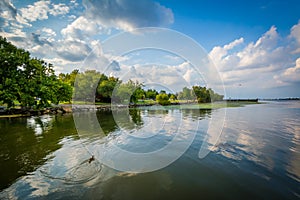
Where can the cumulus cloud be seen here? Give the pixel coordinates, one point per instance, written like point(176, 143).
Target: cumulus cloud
point(7, 12)
point(59, 9)
point(221, 57)
point(9, 16)
point(295, 35)
point(291, 74)
point(73, 50)
point(256, 63)
point(37, 11)
point(260, 66)
point(80, 29)
point(49, 32)
point(295, 32)
point(36, 38)
point(128, 14)
point(40, 10)
point(102, 16)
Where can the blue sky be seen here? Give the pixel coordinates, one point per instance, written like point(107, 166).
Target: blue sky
point(255, 45)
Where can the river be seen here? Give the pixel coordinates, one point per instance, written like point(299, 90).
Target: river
point(257, 156)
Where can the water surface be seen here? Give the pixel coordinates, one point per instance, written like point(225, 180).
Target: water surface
point(257, 156)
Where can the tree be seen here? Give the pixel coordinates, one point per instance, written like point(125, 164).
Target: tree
point(206, 95)
point(25, 79)
point(186, 94)
point(12, 62)
point(163, 99)
point(172, 97)
point(69, 78)
point(129, 92)
point(85, 86)
point(106, 87)
point(151, 94)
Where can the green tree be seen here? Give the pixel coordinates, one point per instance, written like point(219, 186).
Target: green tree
point(69, 78)
point(172, 97)
point(151, 94)
point(12, 62)
point(85, 86)
point(163, 99)
point(129, 92)
point(25, 79)
point(106, 87)
point(186, 94)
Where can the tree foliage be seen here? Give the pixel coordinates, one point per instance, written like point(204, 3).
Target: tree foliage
point(199, 94)
point(151, 94)
point(163, 99)
point(26, 80)
point(129, 92)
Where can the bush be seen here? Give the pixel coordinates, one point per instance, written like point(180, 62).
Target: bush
point(163, 99)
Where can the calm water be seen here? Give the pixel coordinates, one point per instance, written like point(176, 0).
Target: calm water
point(257, 156)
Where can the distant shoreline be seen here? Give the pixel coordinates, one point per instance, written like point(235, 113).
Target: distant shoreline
point(281, 99)
point(70, 108)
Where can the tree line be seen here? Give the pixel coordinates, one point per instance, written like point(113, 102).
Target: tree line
point(32, 82)
point(92, 85)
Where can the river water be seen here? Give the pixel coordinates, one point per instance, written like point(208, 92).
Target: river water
point(256, 157)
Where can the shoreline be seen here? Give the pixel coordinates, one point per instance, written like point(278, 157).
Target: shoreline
point(70, 108)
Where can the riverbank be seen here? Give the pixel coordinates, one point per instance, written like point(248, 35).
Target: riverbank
point(69, 108)
point(27, 112)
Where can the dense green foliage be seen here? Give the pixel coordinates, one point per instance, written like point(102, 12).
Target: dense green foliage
point(32, 82)
point(163, 99)
point(29, 81)
point(199, 94)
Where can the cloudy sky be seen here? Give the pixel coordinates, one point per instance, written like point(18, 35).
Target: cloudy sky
point(255, 45)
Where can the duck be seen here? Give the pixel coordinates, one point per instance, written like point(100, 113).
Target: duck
point(91, 159)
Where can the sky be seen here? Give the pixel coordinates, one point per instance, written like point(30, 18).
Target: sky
point(254, 45)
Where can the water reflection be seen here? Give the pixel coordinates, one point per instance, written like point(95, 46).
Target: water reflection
point(268, 138)
point(161, 130)
point(257, 157)
point(27, 142)
point(40, 124)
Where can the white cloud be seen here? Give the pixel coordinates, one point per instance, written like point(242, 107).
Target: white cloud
point(234, 44)
point(7, 12)
point(49, 31)
point(59, 9)
point(72, 17)
point(268, 62)
point(74, 2)
point(257, 59)
point(78, 37)
point(73, 50)
point(38, 11)
point(261, 53)
point(220, 55)
point(128, 14)
point(80, 29)
point(9, 16)
point(101, 16)
point(295, 32)
point(291, 74)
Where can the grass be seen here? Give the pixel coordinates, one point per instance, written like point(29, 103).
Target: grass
point(215, 105)
point(8, 116)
